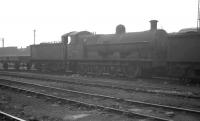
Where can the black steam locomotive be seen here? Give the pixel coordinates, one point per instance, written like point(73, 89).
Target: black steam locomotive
point(131, 54)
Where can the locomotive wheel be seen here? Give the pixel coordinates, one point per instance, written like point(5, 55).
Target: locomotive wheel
point(38, 66)
point(28, 66)
point(5, 66)
point(133, 71)
point(17, 65)
point(82, 69)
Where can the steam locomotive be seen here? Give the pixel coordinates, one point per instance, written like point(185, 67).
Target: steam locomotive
point(131, 54)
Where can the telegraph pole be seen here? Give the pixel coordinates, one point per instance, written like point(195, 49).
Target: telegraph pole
point(34, 31)
point(198, 17)
point(2, 39)
point(3, 42)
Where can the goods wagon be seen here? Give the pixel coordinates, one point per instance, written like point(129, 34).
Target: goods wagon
point(184, 47)
point(47, 56)
point(47, 51)
point(183, 54)
point(14, 58)
point(14, 51)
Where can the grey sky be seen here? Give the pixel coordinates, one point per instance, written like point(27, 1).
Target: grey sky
point(52, 18)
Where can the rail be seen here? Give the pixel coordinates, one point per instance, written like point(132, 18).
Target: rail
point(9, 117)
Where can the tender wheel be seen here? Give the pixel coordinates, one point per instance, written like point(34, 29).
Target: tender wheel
point(17, 65)
point(38, 66)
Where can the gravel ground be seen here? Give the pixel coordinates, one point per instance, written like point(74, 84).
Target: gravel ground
point(31, 107)
point(164, 84)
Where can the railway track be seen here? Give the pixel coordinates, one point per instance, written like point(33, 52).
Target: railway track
point(128, 89)
point(108, 103)
point(8, 117)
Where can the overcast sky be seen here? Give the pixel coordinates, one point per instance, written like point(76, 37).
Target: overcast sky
point(52, 18)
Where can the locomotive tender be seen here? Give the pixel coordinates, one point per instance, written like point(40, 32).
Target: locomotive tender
point(130, 54)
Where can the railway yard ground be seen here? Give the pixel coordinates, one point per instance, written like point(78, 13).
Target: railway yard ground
point(48, 97)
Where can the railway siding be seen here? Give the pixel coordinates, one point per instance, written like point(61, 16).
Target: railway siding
point(44, 108)
point(140, 86)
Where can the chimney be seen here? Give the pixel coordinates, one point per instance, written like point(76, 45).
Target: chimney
point(153, 25)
